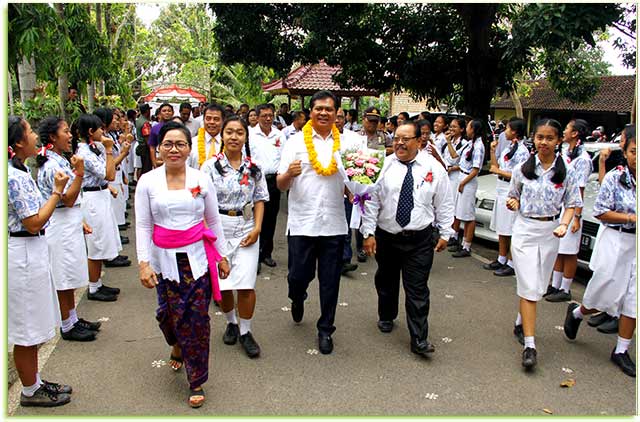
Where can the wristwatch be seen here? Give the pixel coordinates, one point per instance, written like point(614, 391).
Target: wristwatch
point(577, 216)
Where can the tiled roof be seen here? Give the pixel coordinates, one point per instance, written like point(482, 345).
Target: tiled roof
point(615, 95)
point(307, 79)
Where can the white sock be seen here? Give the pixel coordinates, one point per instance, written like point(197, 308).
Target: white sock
point(93, 287)
point(557, 279)
point(510, 263)
point(231, 317)
point(577, 313)
point(466, 245)
point(73, 316)
point(67, 325)
point(566, 284)
point(502, 259)
point(245, 326)
point(529, 342)
point(519, 319)
point(623, 344)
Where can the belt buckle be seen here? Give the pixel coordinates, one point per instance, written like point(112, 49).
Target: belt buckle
point(232, 213)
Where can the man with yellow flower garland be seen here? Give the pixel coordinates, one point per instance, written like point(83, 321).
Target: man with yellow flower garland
point(316, 225)
point(207, 143)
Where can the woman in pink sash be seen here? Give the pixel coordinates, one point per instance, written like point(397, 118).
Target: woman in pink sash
point(177, 223)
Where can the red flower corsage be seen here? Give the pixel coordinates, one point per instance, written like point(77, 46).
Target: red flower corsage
point(278, 142)
point(428, 177)
point(558, 185)
point(195, 191)
point(620, 168)
point(219, 156)
point(506, 157)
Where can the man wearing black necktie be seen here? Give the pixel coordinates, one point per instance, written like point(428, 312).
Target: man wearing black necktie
point(412, 200)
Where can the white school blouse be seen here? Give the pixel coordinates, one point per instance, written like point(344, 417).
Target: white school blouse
point(175, 210)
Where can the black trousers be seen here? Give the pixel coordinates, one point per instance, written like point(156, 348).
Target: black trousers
point(270, 218)
point(304, 252)
point(412, 256)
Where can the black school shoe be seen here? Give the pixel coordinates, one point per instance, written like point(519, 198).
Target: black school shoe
point(250, 345)
point(529, 358)
point(77, 333)
point(44, 397)
point(609, 327)
point(117, 262)
point(88, 325)
point(624, 362)
point(492, 266)
point(102, 295)
point(599, 319)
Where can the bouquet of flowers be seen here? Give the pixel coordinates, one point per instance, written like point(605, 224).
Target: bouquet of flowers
point(361, 170)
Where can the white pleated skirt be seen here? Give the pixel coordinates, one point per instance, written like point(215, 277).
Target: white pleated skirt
point(243, 260)
point(466, 201)
point(104, 241)
point(533, 249)
point(33, 310)
point(454, 180)
point(118, 204)
point(570, 243)
point(502, 218)
point(67, 249)
point(612, 288)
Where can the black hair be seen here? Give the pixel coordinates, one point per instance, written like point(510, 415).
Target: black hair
point(296, 114)
point(394, 121)
point(383, 120)
point(624, 180)
point(243, 105)
point(105, 115)
point(261, 107)
point(131, 115)
point(47, 127)
point(163, 105)
point(424, 122)
point(444, 119)
point(254, 170)
point(17, 133)
point(462, 123)
point(86, 122)
point(321, 95)
point(353, 113)
point(416, 127)
point(185, 105)
point(629, 132)
point(405, 115)
point(582, 127)
point(171, 125)
point(476, 125)
point(518, 126)
point(559, 169)
point(144, 108)
point(214, 107)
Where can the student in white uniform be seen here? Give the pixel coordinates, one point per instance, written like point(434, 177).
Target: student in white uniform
point(502, 218)
point(32, 306)
point(538, 190)
point(440, 128)
point(179, 243)
point(103, 243)
point(564, 270)
point(67, 250)
point(242, 191)
point(471, 160)
point(450, 152)
point(612, 288)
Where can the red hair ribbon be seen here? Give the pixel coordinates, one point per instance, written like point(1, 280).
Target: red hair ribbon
point(43, 149)
point(11, 153)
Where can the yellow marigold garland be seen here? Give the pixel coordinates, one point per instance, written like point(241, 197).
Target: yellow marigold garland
point(202, 150)
point(332, 168)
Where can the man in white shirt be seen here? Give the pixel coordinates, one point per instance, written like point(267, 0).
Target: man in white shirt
point(185, 116)
point(299, 119)
point(266, 144)
point(213, 118)
point(316, 224)
point(413, 200)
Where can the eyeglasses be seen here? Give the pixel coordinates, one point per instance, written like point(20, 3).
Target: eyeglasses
point(168, 146)
point(403, 140)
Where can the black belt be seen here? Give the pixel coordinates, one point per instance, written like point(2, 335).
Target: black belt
point(95, 188)
point(555, 217)
point(504, 179)
point(231, 213)
point(406, 234)
point(623, 229)
point(462, 171)
point(24, 233)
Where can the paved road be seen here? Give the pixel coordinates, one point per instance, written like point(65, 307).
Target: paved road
point(475, 370)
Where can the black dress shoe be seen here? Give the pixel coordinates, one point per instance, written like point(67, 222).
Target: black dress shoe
point(87, 325)
point(124, 240)
point(325, 344)
point(57, 388)
point(529, 357)
point(102, 296)
point(269, 262)
point(571, 323)
point(599, 319)
point(609, 327)
point(519, 333)
point(347, 267)
point(495, 265)
point(362, 256)
point(504, 271)
point(297, 311)
point(111, 290)
point(550, 290)
point(117, 262)
point(43, 397)
point(78, 333)
point(422, 347)
point(249, 345)
point(454, 248)
point(624, 362)
point(452, 242)
point(231, 334)
point(559, 296)
point(462, 253)
point(385, 326)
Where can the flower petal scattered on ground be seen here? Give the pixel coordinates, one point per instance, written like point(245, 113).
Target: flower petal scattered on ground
point(548, 411)
point(158, 363)
point(312, 352)
point(446, 340)
point(559, 327)
point(567, 370)
point(266, 278)
point(343, 304)
point(363, 273)
point(218, 313)
point(285, 309)
point(103, 319)
point(450, 268)
point(431, 396)
point(449, 296)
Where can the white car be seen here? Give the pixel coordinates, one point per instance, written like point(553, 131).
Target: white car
point(486, 199)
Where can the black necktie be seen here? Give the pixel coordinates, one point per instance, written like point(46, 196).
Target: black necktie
point(405, 201)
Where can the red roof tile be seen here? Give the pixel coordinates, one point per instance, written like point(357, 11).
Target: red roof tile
point(615, 95)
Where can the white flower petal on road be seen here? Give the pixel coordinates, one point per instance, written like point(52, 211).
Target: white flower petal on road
point(363, 273)
point(103, 319)
point(446, 340)
point(158, 363)
point(567, 370)
point(431, 396)
point(266, 278)
point(450, 268)
point(312, 352)
point(285, 309)
point(218, 313)
point(449, 296)
point(559, 327)
point(343, 304)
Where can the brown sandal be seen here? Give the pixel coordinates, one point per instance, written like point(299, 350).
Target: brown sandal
point(196, 398)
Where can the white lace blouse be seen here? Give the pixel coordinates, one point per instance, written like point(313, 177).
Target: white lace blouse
point(175, 210)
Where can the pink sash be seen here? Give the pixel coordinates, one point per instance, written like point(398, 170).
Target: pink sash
point(170, 239)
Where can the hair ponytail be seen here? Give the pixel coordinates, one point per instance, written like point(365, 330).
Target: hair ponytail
point(217, 164)
point(582, 127)
point(529, 167)
point(17, 133)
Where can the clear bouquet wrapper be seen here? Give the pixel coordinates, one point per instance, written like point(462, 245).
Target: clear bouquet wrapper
point(360, 170)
